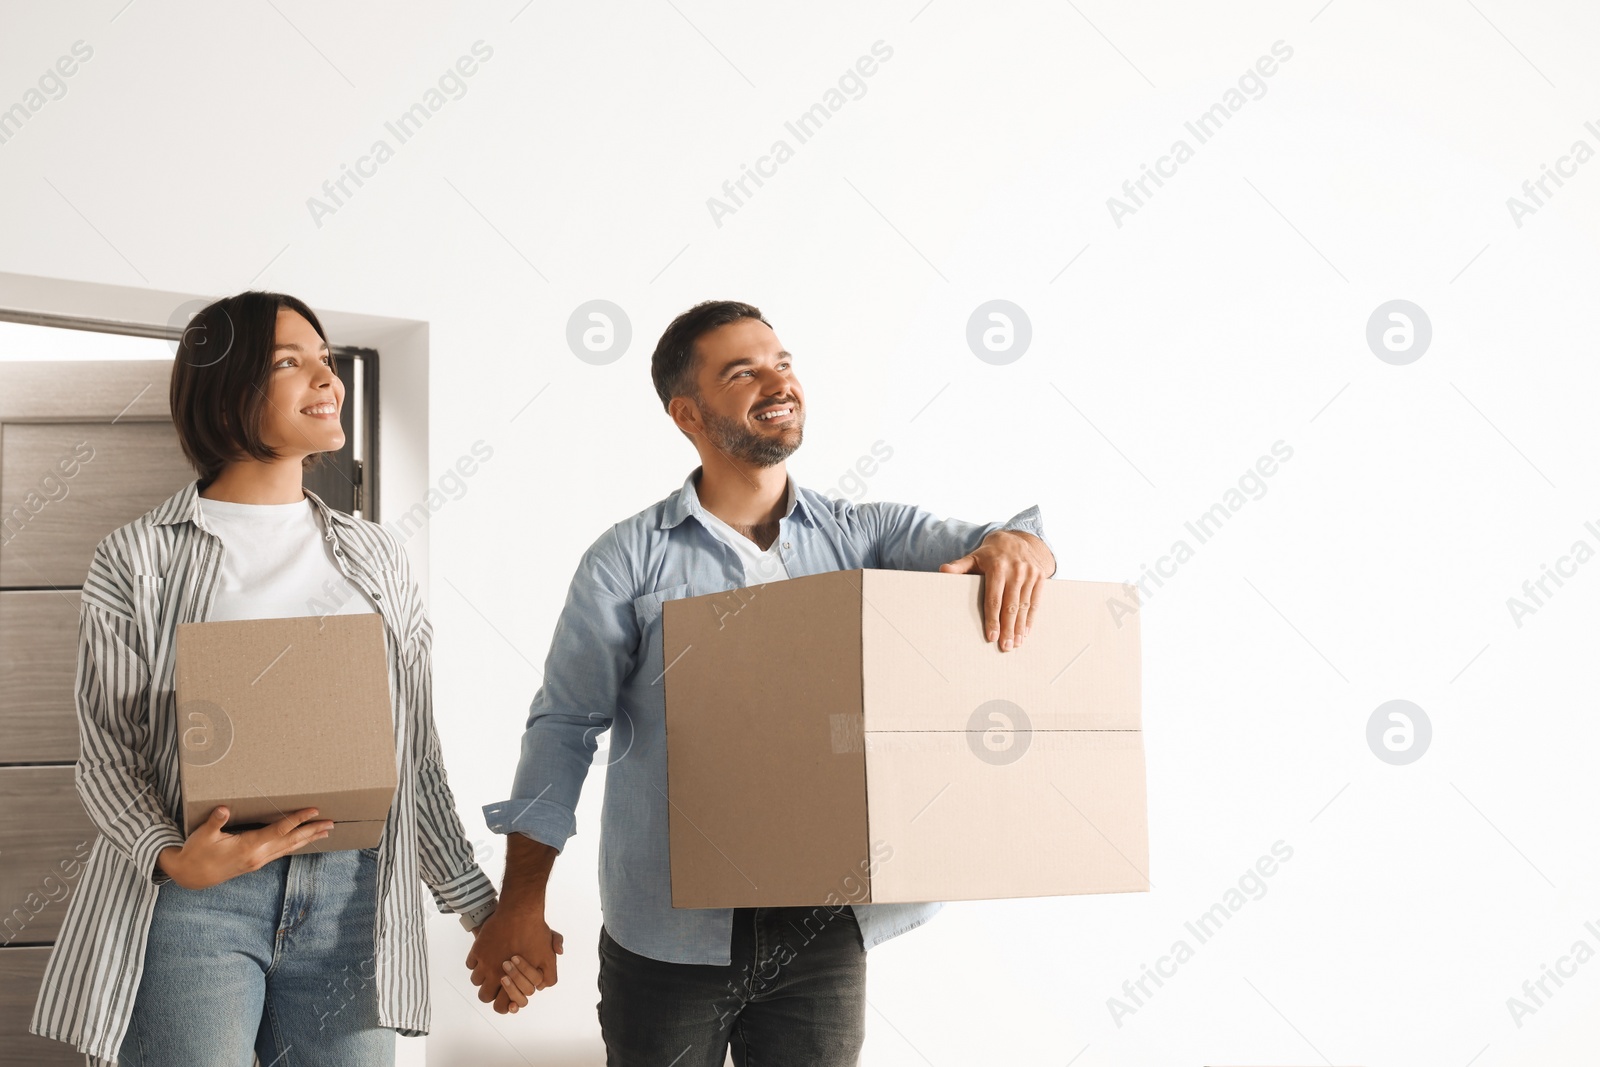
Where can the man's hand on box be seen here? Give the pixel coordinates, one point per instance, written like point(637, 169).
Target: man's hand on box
point(1014, 566)
point(513, 956)
point(211, 855)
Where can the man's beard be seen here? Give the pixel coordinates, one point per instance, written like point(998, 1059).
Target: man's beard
point(748, 446)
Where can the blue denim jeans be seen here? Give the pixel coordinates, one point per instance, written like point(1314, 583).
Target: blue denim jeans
point(278, 962)
point(795, 995)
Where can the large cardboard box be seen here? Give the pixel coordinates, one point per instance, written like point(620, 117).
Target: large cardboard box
point(851, 736)
point(275, 715)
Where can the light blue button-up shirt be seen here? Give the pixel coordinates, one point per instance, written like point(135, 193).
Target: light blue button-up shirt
point(604, 672)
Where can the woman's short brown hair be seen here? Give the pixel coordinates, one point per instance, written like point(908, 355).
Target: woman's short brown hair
point(219, 379)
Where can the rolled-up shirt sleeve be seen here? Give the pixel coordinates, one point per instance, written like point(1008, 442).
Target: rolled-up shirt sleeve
point(591, 656)
point(908, 538)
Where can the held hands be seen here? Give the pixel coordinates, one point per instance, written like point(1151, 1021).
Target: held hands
point(1014, 566)
point(521, 980)
point(513, 956)
point(212, 855)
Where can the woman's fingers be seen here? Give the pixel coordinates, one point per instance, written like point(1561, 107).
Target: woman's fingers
point(292, 821)
point(528, 978)
point(301, 841)
point(518, 998)
point(293, 831)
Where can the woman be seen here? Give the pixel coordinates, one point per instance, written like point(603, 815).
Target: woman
point(199, 950)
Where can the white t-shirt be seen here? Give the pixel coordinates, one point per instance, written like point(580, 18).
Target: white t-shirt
point(760, 566)
point(277, 564)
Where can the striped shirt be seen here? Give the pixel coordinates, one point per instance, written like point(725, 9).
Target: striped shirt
point(146, 578)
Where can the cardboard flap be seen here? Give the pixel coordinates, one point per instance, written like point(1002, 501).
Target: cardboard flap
point(1066, 814)
point(927, 667)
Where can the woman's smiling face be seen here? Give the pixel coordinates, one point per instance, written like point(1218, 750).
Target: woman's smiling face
point(304, 396)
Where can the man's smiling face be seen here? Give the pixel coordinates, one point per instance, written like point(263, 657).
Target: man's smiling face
point(750, 402)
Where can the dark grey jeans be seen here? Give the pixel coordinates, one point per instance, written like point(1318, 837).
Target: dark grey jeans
point(795, 994)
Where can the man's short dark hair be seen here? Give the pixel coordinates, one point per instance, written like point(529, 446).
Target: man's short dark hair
point(219, 379)
point(672, 365)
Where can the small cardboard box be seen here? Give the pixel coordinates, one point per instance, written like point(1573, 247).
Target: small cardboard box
point(275, 715)
point(851, 737)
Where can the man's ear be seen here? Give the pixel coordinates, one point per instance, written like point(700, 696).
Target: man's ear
point(685, 414)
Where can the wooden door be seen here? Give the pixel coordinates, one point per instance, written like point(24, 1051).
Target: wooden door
point(84, 448)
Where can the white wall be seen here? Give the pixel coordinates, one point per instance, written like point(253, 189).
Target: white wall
point(1229, 312)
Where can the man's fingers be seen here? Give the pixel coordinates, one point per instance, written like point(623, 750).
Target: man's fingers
point(1011, 610)
point(485, 975)
point(993, 587)
point(1030, 601)
point(1024, 605)
point(556, 941)
point(965, 565)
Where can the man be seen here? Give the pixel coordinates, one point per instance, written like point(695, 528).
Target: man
point(678, 985)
